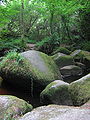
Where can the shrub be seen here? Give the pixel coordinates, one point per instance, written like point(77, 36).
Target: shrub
point(86, 45)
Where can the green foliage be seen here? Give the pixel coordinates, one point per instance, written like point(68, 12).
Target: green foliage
point(48, 44)
point(85, 45)
point(49, 22)
point(12, 56)
point(11, 44)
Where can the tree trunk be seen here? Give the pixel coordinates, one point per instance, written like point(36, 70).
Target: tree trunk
point(22, 23)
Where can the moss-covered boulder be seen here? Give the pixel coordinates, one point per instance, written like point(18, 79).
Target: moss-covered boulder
point(57, 112)
point(56, 92)
point(29, 69)
point(12, 107)
point(63, 60)
point(71, 70)
point(62, 50)
point(82, 56)
point(80, 90)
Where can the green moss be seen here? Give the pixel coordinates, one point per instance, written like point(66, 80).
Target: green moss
point(62, 61)
point(81, 55)
point(24, 71)
point(62, 50)
point(80, 91)
point(56, 92)
point(15, 65)
point(14, 107)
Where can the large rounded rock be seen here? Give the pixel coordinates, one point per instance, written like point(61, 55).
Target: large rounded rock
point(56, 112)
point(56, 92)
point(63, 60)
point(80, 90)
point(29, 69)
point(12, 107)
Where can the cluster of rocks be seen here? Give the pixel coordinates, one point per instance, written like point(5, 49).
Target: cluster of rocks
point(46, 76)
point(73, 66)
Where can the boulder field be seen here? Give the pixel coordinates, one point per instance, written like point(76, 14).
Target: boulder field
point(59, 92)
point(37, 71)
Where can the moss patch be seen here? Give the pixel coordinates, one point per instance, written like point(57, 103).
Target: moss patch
point(12, 107)
point(19, 70)
point(62, 50)
point(81, 55)
point(80, 90)
point(15, 69)
point(56, 92)
point(62, 61)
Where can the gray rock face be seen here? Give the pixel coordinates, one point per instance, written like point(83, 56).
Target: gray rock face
point(80, 90)
point(43, 65)
point(12, 107)
point(56, 112)
point(36, 60)
point(56, 92)
point(71, 70)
